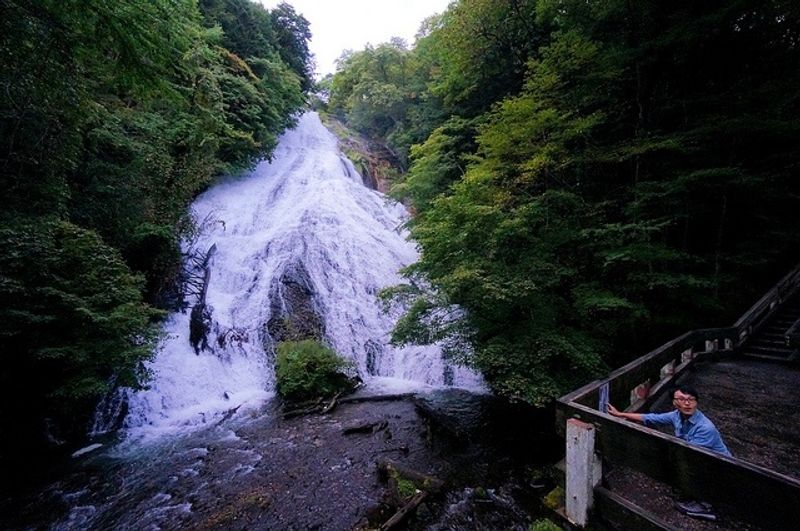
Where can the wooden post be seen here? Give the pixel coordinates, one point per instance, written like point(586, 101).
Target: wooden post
point(667, 370)
point(583, 471)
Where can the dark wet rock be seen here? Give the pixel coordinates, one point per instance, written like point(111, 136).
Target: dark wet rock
point(466, 417)
point(449, 375)
point(199, 327)
point(365, 427)
point(374, 351)
point(198, 275)
point(376, 162)
point(293, 310)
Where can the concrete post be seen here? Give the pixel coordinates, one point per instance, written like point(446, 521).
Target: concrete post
point(583, 471)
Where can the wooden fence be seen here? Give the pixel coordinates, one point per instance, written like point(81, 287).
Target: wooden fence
point(754, 494)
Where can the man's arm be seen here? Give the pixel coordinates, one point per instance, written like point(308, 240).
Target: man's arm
point(638, 417)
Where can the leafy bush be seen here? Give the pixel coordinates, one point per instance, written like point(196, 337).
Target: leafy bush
point(307, 368)
point(71, 318)
point(544, 525)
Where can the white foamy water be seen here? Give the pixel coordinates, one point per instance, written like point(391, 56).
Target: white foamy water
point(306, 208)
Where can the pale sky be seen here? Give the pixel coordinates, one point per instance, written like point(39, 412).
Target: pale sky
point(338, 25)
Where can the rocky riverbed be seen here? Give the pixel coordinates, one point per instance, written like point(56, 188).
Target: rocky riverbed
point(255, 470)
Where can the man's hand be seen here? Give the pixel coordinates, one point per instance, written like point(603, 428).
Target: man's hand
point(614, 412)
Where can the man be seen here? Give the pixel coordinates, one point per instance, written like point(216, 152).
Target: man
point(690, 425)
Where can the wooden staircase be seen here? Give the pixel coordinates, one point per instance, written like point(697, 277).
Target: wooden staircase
point(770, 342)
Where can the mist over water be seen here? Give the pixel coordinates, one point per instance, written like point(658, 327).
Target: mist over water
point(305, 218)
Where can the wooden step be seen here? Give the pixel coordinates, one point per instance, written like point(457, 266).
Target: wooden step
point(775, 341)
point(764, 357)
point(772, 351)
point(765, 346)
point(620, 513)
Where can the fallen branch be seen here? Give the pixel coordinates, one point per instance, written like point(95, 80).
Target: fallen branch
point(332, 403)
point(366, 427)
point(404, 511)
point(376, 398)
point(403, 449)
point(300, 412)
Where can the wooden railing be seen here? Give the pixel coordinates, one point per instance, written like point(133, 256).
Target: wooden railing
point(635, 384)
point(758, 314)
point(793, 335)
point(757, 494)
point(748, 492)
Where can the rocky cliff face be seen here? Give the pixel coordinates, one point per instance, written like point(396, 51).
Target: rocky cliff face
point(376, 163)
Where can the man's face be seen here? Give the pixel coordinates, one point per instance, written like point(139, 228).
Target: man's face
point(686, 404)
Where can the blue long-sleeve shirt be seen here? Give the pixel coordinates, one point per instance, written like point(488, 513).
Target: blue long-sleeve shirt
point(696, 429)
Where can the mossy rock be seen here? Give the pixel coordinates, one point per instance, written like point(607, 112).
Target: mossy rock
point(554, 499)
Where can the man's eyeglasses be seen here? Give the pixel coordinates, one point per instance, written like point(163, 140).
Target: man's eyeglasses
point(685, 399)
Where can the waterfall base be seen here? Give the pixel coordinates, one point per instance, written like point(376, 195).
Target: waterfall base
point(260, 471)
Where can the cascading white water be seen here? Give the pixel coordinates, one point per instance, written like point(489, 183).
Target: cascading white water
point(307, 211)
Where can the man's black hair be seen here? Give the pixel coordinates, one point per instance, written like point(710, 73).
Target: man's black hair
point(685, 389)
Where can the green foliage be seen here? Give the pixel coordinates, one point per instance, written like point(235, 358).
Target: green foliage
point(293, 34)
point(589, 178)
point(370, 91)
point(405, 488)
point(115, 116)
point(554, 499)
point(308, 369)
point(481, 48)
point(72, 315)
point(382, 92)
point(544, 525)
point(436, 164)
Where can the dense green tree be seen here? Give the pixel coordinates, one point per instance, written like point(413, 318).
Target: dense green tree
point(371, 93)
point(293, 33)
point(72, 318)
point(114, 116)
point(632, 178)
point(436, 164)
point(482, 47)
point(247, 26)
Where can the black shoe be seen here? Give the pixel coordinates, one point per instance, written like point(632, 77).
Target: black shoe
point(697, 509)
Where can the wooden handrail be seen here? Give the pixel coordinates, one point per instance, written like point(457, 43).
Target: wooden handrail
point(744, 488)
point(647, 370)
point(793, 335)
point(747, 491)
point(755, 316)
point(651, 369)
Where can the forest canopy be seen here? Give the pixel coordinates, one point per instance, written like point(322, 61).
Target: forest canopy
point(114, 116)
point(589, 177)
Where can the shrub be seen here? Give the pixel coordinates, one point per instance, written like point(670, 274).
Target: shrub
point(306, 369)
point(544, 525)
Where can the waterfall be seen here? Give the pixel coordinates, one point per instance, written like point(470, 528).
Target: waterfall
point(299, 235)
